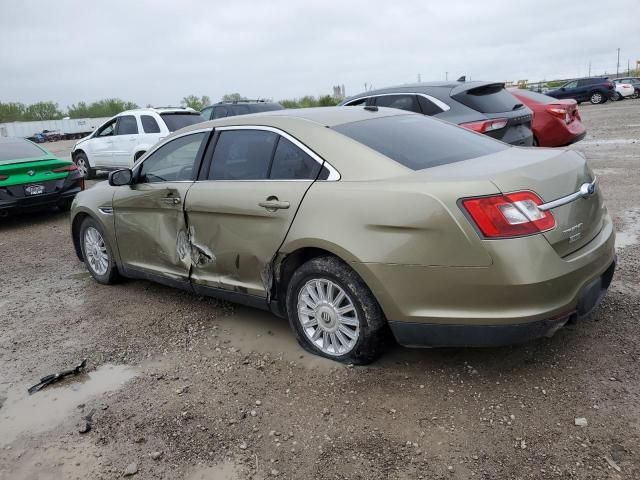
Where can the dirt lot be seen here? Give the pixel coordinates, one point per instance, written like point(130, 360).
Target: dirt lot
point(181, 386)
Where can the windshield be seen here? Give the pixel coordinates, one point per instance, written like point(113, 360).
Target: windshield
point(19, 149)
point(177, 120)
point(419, 142)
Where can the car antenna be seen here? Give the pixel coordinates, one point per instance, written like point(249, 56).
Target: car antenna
point(371, 108)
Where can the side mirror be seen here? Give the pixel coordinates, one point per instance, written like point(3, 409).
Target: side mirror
point(118, 178)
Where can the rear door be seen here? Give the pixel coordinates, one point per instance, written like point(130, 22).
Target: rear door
point(127, 137)
point(241, 208)
point(149, 219)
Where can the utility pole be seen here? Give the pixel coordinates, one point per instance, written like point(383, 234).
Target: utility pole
point(419, 79)
point(628, 68)
point(446, 76)
point(589, 69)
point(618, 64)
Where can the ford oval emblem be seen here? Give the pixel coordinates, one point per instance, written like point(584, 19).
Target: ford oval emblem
point(587, 189)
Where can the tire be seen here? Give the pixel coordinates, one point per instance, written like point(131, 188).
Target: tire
point(616, 97)
point(359, 337)
point(105, 271)
point(535, 142)
point(82, 162)
point(597, 98)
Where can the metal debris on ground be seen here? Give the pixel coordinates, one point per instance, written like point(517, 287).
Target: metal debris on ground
point(56, 377)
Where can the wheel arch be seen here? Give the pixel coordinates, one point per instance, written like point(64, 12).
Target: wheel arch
point(286, 263)
point(76, 223)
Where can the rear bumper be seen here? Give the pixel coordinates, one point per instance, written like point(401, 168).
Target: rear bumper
point(414, 334)
point(556, 133)
point(56, 192)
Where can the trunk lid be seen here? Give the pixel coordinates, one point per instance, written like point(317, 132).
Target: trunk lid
point(30, 171)
point(552, 174)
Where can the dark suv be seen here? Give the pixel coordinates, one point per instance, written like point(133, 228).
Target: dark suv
point(242, 107)
point(484, 107)
point(595, 90)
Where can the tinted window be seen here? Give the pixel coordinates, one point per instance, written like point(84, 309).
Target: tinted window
point(220, 112)
point(582, 83)
point(173, 161)
point(428, 107)
point(206, 113)
point(418, 142)
point(571, 85)
point(127, 125)
point(488, 99)
point(239, 109)
point(17, 149)
point(149, 124)
point(242, 155)
point(403, 102)
point(291, 163)
point(178, 120)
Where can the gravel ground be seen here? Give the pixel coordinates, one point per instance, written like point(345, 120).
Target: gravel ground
point(181, 386)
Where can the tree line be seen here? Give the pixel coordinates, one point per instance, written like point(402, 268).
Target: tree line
point(108, 107)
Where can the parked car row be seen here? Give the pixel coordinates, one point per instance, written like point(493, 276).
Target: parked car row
point(360, 222)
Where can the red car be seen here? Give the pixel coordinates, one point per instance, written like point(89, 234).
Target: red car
point(556, 123)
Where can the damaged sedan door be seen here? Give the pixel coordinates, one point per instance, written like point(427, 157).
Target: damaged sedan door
point(242, 206)
point(149, 214)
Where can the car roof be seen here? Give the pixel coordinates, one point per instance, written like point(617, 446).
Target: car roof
point(159, 110)
point(323, 116)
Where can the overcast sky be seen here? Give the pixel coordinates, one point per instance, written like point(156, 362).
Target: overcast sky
point(156, 52)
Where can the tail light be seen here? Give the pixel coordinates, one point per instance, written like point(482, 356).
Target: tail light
point(485, 126)
point(67, 168)
point(560, 112)
point(509, 215)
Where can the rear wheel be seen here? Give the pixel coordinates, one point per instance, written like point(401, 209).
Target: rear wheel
point(596, 98)
point(616, 96)
point(333, 313)
point(82, 162)
point(97, 253)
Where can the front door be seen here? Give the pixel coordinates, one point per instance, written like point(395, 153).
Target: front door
point(127, 137)
point(241, 208)
point(150, 223)
point(100, 148)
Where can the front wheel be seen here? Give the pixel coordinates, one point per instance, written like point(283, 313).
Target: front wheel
point(84, 167)
point(333, 313)
point(97, 253)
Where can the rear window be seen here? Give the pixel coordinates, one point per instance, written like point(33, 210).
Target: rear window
point(419, 142)
point(19, 149)
point(177, 120)
point(536, 97)
point(489, 99)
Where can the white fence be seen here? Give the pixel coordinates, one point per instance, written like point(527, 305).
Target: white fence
point(65, 127)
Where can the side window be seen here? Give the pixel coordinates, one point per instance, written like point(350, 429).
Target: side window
point(108, 130)
point(149, 124)
point(571, 85)
point(220, 112)
point(291, 163)
point(127, 125)
point(242, 155)
point(239, 109)
point(174, 161)
point(428, 107)
point(360, 102)
point(403, 102)
point(206, 113)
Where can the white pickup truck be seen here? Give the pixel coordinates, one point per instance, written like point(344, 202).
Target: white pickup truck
point(121, 140)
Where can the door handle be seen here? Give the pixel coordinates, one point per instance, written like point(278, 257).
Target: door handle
point(272, 204)
point(171, 200)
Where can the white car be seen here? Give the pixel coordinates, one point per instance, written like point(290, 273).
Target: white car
point(120, 141)
point(623, 90)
